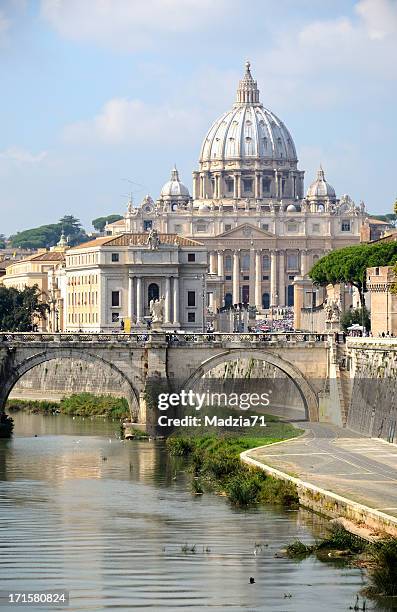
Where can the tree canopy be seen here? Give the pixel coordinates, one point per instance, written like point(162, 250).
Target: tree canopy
point(100, 222)
point(348, 265)
point(47, 236)
point(18, 308)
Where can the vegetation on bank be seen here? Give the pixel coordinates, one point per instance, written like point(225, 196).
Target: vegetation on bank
point(78, 404)
point(379, 558)
point(215, 465)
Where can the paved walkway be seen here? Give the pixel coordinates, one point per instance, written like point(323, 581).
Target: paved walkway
point(341, 461)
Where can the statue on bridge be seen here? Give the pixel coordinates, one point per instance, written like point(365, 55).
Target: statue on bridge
point(156, 308)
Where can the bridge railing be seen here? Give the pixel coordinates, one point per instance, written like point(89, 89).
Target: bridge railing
point(172, 338)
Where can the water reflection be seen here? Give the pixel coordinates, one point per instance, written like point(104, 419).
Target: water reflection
point(107, 520)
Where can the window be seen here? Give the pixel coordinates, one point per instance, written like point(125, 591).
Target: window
point(115, 317)
point(265, 278)
point(265, 227)
point(191, 317)
point(228, 263)
point(290, 295)
point(266, 182)
point(228, 277)
point(201, 227)
point(246, 277)
point(147, 225)
point(227, 227)
point(191, 256)
point(229, 185)
point(292, 227)
point(115, 257)
point(153, 292)
point(115, 298)
point(191, 298)
point(291, 277)
point(228, 300)
point(292, 261)
point(266, 300)
point(266, 262)
point(345, 225)
point(245, 262)
point(178, 229)
point(247, 185)
point(315, 228)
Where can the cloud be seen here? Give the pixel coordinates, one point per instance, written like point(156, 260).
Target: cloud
point(19, 155)
point(330, 62)
point(129, 24)
point(132, 122)
point(4, 27)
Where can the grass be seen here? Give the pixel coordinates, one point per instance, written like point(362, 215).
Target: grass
point(77, 404)
point(215, 463)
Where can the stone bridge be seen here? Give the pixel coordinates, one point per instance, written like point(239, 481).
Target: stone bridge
point(179, 360)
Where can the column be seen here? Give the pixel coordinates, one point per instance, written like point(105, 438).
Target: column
point(304, 262)
point(213, 262)
point(281, 271)
point(167, 305)
point(257, 185)
point(236, 277)
point(196, 183)
point(235, 186)
point(130, 297)
point(220, 264)
point(238, 186)
point(139, 300)
point(258, 279)
point(273, 279)
point(252, 277)
point(176, 300)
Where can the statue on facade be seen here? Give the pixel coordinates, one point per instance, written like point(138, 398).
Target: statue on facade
point(156, 308)
point(153, 240)
point(332, 311)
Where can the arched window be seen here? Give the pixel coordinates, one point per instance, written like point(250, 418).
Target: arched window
point(266, 300)
point(228, 300)
point(153, 292)
point(228, 263)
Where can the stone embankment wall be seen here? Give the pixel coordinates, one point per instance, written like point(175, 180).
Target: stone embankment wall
point(60, 377)
point(330, 504)
point(373, 370)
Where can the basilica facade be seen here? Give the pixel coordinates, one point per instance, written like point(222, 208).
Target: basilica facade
point(249, 208)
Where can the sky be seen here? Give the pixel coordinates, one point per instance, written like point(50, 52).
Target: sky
point(99, 98)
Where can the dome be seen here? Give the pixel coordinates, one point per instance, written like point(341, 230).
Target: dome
point(248, 131)
point(291, 208)
point(320, 188)
point(174, 188)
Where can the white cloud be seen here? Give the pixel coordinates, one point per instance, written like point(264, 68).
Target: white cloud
point(4, 27)
point(19, 155)
point(129, 24)
point(126, 121)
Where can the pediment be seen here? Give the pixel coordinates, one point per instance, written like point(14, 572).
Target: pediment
point(246, 230)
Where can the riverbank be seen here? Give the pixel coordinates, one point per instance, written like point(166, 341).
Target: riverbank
point(77, 404)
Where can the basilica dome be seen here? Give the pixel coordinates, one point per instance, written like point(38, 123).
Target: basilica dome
point(320, 188)
point(174, 188)
point(248, 131)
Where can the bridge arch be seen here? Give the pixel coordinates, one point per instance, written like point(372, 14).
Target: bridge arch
point(19, 368)
point(306, 391)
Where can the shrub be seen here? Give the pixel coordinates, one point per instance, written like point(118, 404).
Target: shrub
point(383, 569)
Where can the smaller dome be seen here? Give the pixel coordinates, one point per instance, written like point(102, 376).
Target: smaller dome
point(204, 206)
point(291, 208)
point(320, 188)
point(174, 188)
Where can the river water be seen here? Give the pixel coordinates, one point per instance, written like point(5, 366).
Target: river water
point(107, 519)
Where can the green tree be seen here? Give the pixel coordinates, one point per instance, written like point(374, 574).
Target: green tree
point(47, 236)
point(18, 308)
point(356, 316)
point(349, 265)
point(100, 222)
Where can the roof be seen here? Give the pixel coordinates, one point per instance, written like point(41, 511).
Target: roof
point(135, 240)
point(47, 256)
point(374, 221)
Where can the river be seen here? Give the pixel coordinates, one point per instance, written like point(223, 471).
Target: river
point(107, 520)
